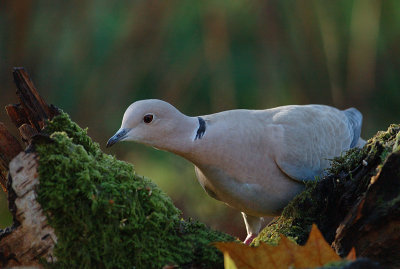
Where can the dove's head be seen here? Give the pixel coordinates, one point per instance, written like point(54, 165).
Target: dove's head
point(152, 122)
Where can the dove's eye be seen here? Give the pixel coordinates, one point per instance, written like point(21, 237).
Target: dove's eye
point(148, 118)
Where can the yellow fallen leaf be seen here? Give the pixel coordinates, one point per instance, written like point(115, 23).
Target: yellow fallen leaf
point(316, 252)
point(229, 263)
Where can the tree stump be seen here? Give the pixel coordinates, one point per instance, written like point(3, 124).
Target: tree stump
point(30, 237)
point(356, 205)
point(28, 116)
point(74, 206)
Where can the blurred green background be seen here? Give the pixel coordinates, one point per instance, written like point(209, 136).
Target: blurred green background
point(93, 58)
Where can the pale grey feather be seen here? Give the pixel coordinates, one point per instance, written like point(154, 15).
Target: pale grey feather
point(355, 121)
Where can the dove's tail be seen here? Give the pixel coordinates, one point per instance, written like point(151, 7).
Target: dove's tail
point(354, 118)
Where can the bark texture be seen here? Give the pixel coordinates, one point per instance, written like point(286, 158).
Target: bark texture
point(29, 238)
point(9, 148)
point(28, 116)
point(33, 238)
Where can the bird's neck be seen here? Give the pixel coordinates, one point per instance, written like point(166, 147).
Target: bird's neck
point(184, 135)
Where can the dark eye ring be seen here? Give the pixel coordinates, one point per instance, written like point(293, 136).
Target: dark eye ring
point(148, 118)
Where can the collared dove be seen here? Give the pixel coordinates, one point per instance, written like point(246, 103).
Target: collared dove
point(253, 160)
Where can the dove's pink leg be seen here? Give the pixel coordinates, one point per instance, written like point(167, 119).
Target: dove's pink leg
point(249, 239)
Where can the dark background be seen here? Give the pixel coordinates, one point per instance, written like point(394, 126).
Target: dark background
point(94, 58)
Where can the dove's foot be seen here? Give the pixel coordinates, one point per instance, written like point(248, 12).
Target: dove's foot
point(249, 239)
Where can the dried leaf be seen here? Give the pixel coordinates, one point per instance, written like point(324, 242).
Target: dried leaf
point(316, 252)
point(352, 255)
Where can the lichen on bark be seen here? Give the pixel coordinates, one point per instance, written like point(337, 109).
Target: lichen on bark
point(107, 216)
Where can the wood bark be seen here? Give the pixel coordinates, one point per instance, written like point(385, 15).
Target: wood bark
point(30, 237)
point(28, 116)
point(9, 148)
point(372, 225)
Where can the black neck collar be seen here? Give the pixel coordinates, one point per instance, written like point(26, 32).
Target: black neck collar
point(202, 128)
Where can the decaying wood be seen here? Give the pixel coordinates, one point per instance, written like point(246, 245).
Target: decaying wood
point(9, 148)
point(33, 238)
point(372, 226)
point(17, 114)
point(30, 237)
point(36, 109)
point(28, 116)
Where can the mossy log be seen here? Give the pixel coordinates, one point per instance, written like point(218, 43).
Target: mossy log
point(75, 206)
point(357, 205)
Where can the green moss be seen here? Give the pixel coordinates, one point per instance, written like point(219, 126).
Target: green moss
point(347, 161)
point(107, 216)
point(385, 142)
point(293, 223)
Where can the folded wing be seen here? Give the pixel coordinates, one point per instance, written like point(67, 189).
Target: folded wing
point(312, 136)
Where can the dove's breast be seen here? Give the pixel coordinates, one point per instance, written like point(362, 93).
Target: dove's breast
point(252, 198)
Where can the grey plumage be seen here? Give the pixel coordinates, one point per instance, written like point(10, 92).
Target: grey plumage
point(253, 160)
point(355, 119)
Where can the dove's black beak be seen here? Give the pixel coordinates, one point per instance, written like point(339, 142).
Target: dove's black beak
point(121, 134)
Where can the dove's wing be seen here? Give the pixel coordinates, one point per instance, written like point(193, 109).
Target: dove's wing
point(312, 136)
